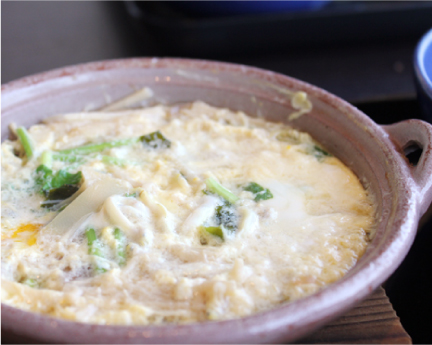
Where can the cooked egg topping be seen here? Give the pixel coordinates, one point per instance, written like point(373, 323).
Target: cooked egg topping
point(173, 214)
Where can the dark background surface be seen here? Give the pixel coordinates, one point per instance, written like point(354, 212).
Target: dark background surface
point(360, 51)
point(38, 36)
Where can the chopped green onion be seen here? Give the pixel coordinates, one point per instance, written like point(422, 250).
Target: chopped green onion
point(121, 246)
point(213, 230)
point(30, 282)
point(91, 236)
point(114, 160)
point(154, 140)
point(86, 149)
point(67, 158)
point(215, 187)
point(93, 243)
point(94, 248)
point(46, 159)
point(99, 269)
point(131, 195)
point(26, 141)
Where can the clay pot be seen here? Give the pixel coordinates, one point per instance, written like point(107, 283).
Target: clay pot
point(375, 153)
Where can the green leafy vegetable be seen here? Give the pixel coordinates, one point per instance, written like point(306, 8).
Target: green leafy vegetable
point(44, 177)
point(49, 181)
point(54, 196)
point(62, 178)
point(215, 187)
point(224, 220)
point(56, 187)
point(226, 216)
point(121, 246)
point(26, 141)
point(254, 188)
point(156, 140)
point(260, 192)
point(57, 198)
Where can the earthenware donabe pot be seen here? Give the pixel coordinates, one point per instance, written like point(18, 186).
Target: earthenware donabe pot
point(375, 153)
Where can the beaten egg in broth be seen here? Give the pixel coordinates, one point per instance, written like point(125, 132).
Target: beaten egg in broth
point(182, 214)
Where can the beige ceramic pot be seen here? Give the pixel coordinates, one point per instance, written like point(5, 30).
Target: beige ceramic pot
point(375, 153)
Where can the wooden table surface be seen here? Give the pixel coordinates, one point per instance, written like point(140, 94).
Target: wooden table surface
point(374, 321)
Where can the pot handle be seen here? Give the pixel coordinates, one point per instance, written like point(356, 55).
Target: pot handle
point(416, 134)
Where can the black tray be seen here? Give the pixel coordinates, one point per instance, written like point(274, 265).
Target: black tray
point(182, 33)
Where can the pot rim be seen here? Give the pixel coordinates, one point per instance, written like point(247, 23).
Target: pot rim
point(320, 307)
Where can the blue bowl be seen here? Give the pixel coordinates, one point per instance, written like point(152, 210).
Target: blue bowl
point(423, 74)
